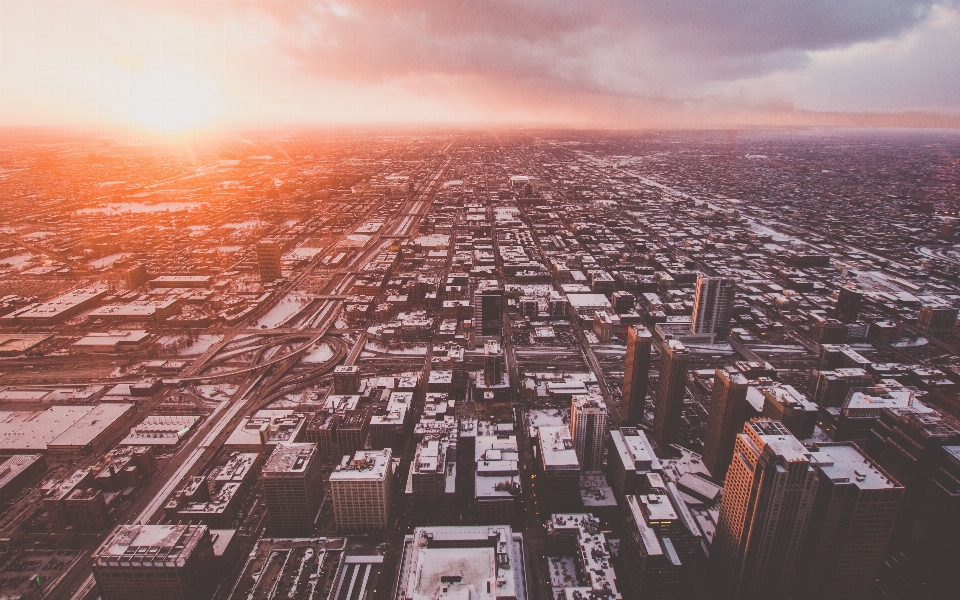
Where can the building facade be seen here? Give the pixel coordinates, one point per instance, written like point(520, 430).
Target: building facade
point(768, 497)
point(636, 373)
point(672, 386)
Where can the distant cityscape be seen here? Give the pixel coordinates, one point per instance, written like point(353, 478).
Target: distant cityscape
point(469, 364)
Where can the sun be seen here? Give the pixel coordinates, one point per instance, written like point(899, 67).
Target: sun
point(167, 99)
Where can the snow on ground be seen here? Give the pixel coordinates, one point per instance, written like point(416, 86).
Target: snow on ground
point(106, 261)
point(220, 391)
point(304, 253)
point(414, 350)
point(910, 343)
point(318, 354)
point(135, 207)
point(200, 345)
point(243, 225)
point(288, 306)
point(16, 262)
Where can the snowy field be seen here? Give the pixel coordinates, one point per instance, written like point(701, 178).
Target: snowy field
point(290, 305)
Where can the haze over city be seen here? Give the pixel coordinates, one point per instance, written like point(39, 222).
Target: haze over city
point(508, 300)
point(175, 66)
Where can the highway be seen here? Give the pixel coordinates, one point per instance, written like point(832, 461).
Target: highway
point(264, 382)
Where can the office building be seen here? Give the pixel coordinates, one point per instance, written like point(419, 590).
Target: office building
point(921, 450)
point(661, 542)
point(155, 562)
point(558, 478)
point(579, 535)
point(431, 489)
point(346, 379)
point(497, 481)
point(728, 413)
point(713, 305)
point(292, 488)
point(636, 373)
point(668, 410)
point(475, 563)
point(493, 367)
point(268, 260)
point(488, 308)
point(362, 490)
point(588, 428)
point(852, 520)
point(936, 319)
point(136, 276)
point(784, 403)
point(848, 305)
point(835, 356)
point(832, 387)
point(768, 497)
point(630, 457)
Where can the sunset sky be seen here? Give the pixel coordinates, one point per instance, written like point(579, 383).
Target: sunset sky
point(178, 65)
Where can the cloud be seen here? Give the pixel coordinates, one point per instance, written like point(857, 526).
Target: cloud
point(620, 63)
point(657, 48)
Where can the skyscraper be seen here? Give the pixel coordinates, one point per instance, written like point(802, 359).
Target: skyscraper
point(488, 308)
point(492, 363)
point(673, 382)
point(848, 305)
point(768, 497)
point(588, 428)
point(727, 415)
point(268, 259)
point(853, 517)
point(636, 372)
point(713, 305)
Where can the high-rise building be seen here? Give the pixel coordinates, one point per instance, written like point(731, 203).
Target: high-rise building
point(588, 428)
point(661, 542)
point(852, 520)
point(136, 276)
point(558, 476)
point(492, 363)
point(362, 490)
point(920, 448)
point(630, 457)
point(268, 260)
point(580, 535)
point(346, 379)
point(431, 483)
point(768, 497)
point(848, 305)
point(728, 412)
point(668, 411)
point(292, 487)
point(713, 305)
point(833, 386)
point(784, 403)
point(937, 319)
point(155, 562)
point(488, 308)
point(636, 372)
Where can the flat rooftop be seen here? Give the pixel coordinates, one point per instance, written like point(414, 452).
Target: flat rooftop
point(557, 449)
point(373, 465)
point(150, 545)
point(59, 426)
point(844, 463)
point(290, 457)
